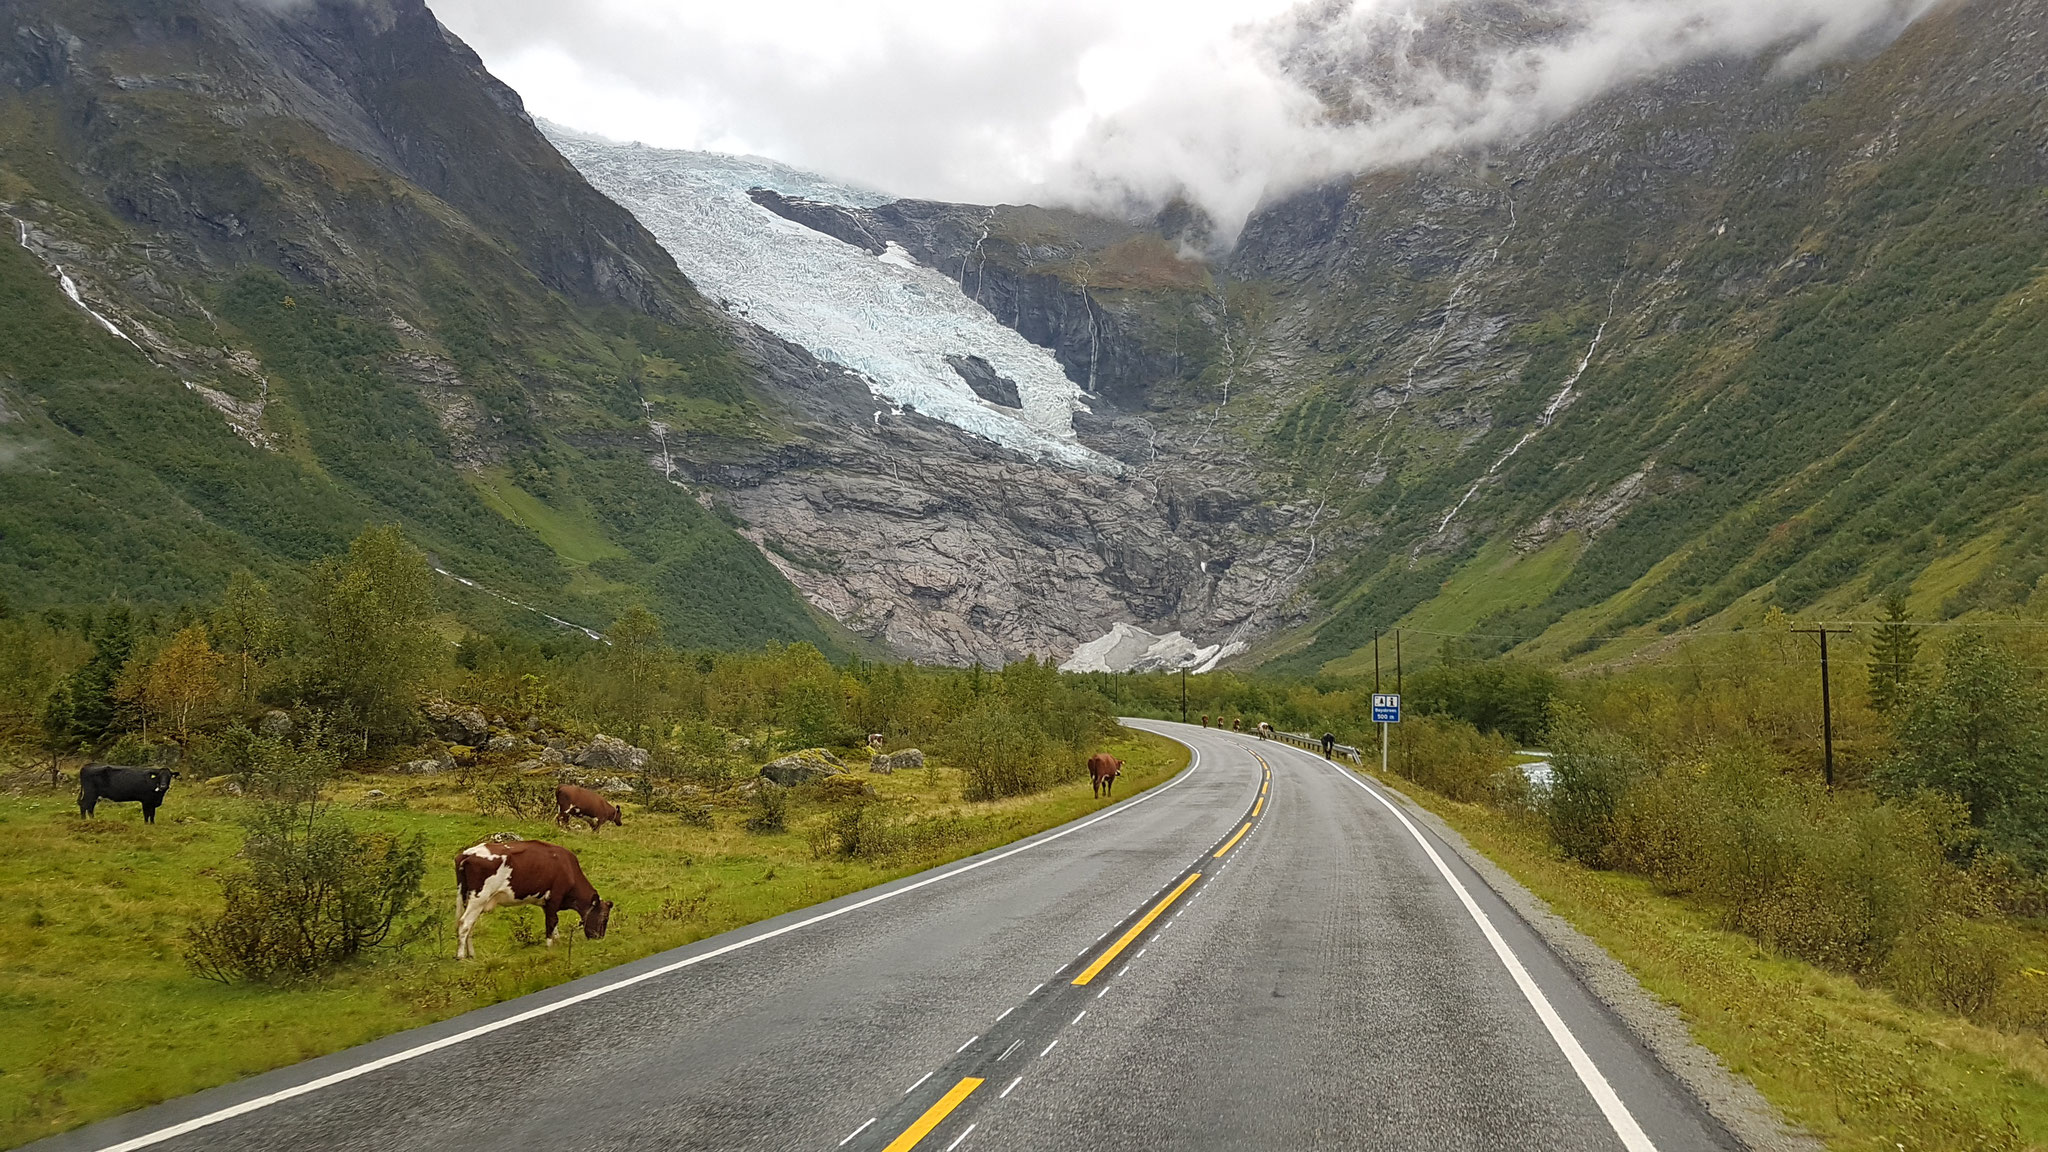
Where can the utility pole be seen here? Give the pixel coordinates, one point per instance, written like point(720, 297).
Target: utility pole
point(1827, 711)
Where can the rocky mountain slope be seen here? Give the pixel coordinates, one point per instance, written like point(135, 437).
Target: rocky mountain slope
point(1725, 342)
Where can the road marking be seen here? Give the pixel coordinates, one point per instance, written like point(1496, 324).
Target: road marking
point(1259, 805)
point(1077, 1019)
point(1624, 1124)
point(1006, 1012)
point(1011, 1088)
point(1138, 929)
point(1035, 991)
point(1048, 1049)
point(963, 1047)
point(208, 1120)
point(933, 1115)
point(960, 1137)
point(1007, 1051)
point(920, 1080)
point(1234, 839)
point(861, 1129)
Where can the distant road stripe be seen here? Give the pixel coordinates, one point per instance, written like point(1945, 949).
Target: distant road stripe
point(1137, 930)
point(245, 1107)
point(933, 1115)
point(1234, 839)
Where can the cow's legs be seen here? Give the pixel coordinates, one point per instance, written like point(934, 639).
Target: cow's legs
point(554, 918)
point(468, 910)
point(149, 813)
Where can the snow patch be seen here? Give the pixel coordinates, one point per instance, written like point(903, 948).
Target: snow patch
point(1129, 648)
point(887, 318)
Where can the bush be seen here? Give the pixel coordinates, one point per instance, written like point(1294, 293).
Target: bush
point(1454, 759)
point(518, 798)
point(1498, 696)
point(1589, 774)
point(1000, 753)
point(771, 809)
point(312, 891)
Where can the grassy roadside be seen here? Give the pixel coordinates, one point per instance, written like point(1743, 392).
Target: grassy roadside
point(99, 1015)
point(1851, 1064)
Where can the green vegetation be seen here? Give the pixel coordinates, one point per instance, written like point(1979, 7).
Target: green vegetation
point(334, 745)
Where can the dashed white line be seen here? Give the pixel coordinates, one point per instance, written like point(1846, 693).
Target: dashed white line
point(920, 1080)
point(1006, 1012)
point(857, 1131)
point(1048, 1049)
point(959, 1138)
point(1077, 1019)
point(1012, 1087)
point(1035, 991)
point(1105, 990)
point(1007, 1051)
point(1139, 956)
point(963, 1047)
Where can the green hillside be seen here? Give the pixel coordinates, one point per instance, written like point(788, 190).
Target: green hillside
point(425, 318)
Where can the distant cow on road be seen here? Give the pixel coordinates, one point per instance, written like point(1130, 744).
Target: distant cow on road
point(1265, 730)
point(145, 786)
point(572, 802)
point(1102, 770)
point(491, 875)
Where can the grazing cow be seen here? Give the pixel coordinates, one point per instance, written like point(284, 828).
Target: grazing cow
point(1102, 770)
point(876, 740)
point(1205, 719)
point(1265, 730)
point(1329, 744)
point(146, 786)
point(572, 802)
point(491, 875)
point(1237, 724)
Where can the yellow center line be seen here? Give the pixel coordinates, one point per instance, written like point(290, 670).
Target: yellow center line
point(1259, 805)
point(1234, 839)
point(933, 1116)
point(1137, 930)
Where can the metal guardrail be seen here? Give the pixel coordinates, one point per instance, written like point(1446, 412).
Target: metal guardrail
point(1313, 744)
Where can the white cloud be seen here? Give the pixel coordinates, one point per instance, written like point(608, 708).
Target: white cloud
point(1087, 101)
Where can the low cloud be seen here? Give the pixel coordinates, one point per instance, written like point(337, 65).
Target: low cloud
point(1118, 106)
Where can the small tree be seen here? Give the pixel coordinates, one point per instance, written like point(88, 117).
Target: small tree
point(246, 628)
point(1978, 734)
point(92, 692)
point(183, 683)
point(633, 670)
point(1894, 646)
point(373, 641)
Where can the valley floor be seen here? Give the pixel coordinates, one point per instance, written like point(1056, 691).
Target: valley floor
point(99, 1014)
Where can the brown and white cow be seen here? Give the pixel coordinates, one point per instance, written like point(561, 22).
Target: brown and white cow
point(1102, 770)
point(492, 875)
point(572, 802)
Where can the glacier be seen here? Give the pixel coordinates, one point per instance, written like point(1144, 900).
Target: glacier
point(1129, 648)
point(886, 318)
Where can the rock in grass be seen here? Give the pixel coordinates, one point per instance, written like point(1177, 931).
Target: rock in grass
point(889, 762)
point(612, 754)
point(802, 767)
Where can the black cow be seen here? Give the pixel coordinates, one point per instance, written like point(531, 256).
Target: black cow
point(145, 786)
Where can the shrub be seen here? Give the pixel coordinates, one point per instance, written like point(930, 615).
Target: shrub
point(771, 809)
point(519, 798)
point(312, 890)
point(1454, 759)
point(1000, 753)
point(1590, 772)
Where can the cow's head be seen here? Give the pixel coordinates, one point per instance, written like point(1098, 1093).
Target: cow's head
point(160, 779)
point(597, 918)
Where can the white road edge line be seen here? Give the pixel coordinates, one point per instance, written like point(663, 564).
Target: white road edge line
point(1632, 1135)
point(261, 1102)
point(857, 1131)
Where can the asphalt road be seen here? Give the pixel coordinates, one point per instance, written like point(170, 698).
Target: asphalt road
point(1260, 954)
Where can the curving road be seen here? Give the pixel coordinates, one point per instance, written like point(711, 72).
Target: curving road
point(1263, 953)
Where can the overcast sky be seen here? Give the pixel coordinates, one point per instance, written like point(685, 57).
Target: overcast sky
point(1093, 101)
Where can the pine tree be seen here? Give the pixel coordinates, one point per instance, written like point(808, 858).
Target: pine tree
point(1893, 649)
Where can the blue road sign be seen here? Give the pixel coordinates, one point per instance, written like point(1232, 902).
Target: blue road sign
point(1386, 708)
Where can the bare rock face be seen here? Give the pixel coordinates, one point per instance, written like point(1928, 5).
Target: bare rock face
point(986, 382)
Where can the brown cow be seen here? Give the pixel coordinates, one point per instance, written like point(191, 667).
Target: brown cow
point(1102, 770)
point(1237, 725)
point(583, 804)
point(491, 875)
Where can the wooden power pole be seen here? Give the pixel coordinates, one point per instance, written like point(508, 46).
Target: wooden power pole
point(1827, 710)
